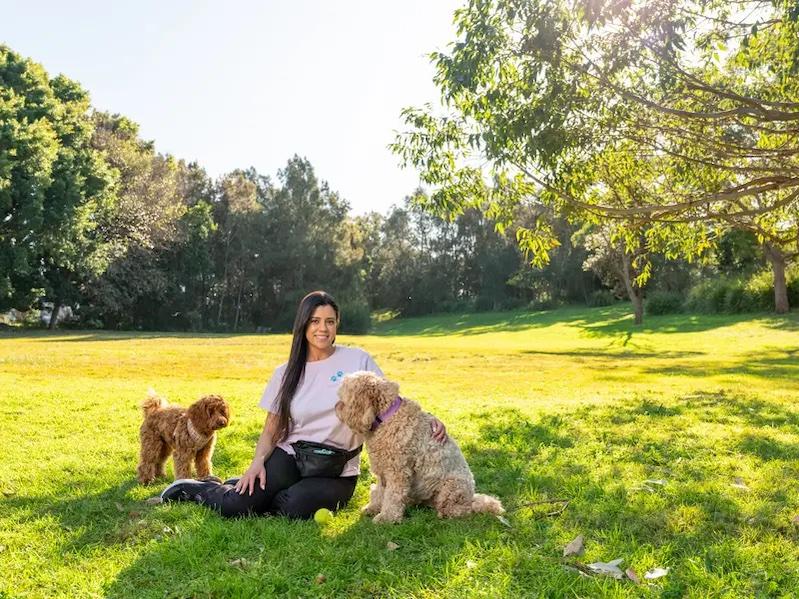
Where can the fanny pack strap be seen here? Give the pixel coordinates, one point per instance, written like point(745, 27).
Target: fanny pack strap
point(353, 452)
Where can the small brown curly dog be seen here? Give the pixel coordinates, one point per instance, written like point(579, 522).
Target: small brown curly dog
point(411, 467)
point(189, 433)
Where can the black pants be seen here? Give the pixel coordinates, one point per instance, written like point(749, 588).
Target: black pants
point(286, 493)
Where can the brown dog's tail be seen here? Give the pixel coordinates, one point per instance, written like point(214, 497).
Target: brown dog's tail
point(487, 504)
point(153, 403)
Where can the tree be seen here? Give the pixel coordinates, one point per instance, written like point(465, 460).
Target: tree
point(236, 213)
point(139, 229)
point(544, 99)
point(619, 265)
point(52, 183)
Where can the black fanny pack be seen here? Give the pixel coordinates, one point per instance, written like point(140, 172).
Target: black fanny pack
point(318, 459)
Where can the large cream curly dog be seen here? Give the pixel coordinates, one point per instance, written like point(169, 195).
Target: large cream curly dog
point(189, 433)
point(411, 467)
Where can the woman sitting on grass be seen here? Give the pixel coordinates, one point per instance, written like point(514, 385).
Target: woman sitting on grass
point(300, 399)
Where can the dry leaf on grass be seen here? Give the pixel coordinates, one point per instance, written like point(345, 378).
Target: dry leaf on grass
point(119, 506)
point(576, 547)
point(795, 519)
point(656, 573)
point(739, 483)
point(632, 575)
point(240, 563)
point(656, 481)
point(470, 564)
point(608, 569)
point(320, 578)
point(153, 500)
point(392, 546)
point(504, 521)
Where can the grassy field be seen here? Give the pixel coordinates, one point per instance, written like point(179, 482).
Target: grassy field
point(571, 404)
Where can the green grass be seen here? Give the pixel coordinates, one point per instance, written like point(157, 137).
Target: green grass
point(573, 404)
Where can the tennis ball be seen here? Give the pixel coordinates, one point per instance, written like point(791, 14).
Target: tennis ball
point(323, 516)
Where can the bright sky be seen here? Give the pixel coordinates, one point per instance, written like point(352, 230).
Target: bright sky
point(250, 83)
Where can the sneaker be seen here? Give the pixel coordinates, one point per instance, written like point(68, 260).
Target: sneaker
point(185, 489)
point(210, 479)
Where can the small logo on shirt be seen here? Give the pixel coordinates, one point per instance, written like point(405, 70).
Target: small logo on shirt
point(337, 377)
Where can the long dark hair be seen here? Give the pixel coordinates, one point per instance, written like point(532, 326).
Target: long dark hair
point(295, 368)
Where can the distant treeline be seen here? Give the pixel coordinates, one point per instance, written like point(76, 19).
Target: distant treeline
point(92, 217)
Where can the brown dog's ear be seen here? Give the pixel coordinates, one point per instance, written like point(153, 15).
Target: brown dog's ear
point(211, 404)
point(197, 414)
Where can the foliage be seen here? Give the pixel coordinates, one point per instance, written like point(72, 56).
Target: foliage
point(355, 316)
point(52, 186)
point(674, 115)
point(738, 295)
point(133, 239)
point(601, 297)
point(664, 302)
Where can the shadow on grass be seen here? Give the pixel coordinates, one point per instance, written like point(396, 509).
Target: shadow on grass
point(782, 363)
point(600, 458)
point(614, 354)
point(614, 321)
point(81, 335)
point(646, 475)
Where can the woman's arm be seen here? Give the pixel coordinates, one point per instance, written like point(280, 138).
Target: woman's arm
point(263, 449)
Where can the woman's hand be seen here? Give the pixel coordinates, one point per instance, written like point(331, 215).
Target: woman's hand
point(256, 472)
point(439, 431)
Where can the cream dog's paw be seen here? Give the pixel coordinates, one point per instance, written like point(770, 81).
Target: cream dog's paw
point(387, 518)
point(370, 510)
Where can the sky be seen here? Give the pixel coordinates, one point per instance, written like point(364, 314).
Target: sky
point(251, 83)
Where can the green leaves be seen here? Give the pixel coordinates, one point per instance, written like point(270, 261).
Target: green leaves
point(51, 182)
point(669, 120)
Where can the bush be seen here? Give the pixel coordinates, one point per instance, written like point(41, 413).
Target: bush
point(456, 305)
point(708, 296)
point(761, 288)
point(485, 303)
point(602, 297)
point(664, 302)
point(736, 296)
point(356, 318)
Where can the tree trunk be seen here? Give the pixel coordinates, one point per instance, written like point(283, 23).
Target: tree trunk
point(638, 306)
point(224, 283)
point(54, 315)
point(777, 259)
point(238, 306)
point(635, 293)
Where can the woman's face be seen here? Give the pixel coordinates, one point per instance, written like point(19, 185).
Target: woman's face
point(321, 330)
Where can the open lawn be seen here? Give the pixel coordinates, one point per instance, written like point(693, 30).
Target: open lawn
point(573, 404)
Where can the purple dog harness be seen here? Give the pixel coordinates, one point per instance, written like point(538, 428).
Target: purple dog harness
point(392, 409)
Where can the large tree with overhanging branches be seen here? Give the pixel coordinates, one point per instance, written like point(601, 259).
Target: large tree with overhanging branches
point(673, 119)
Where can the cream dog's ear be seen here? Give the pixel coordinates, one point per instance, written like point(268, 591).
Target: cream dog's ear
point(368, 404)
point(368, 413)
point(391, 390)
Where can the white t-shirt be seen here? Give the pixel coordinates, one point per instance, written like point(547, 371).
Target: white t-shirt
point(313, 405)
